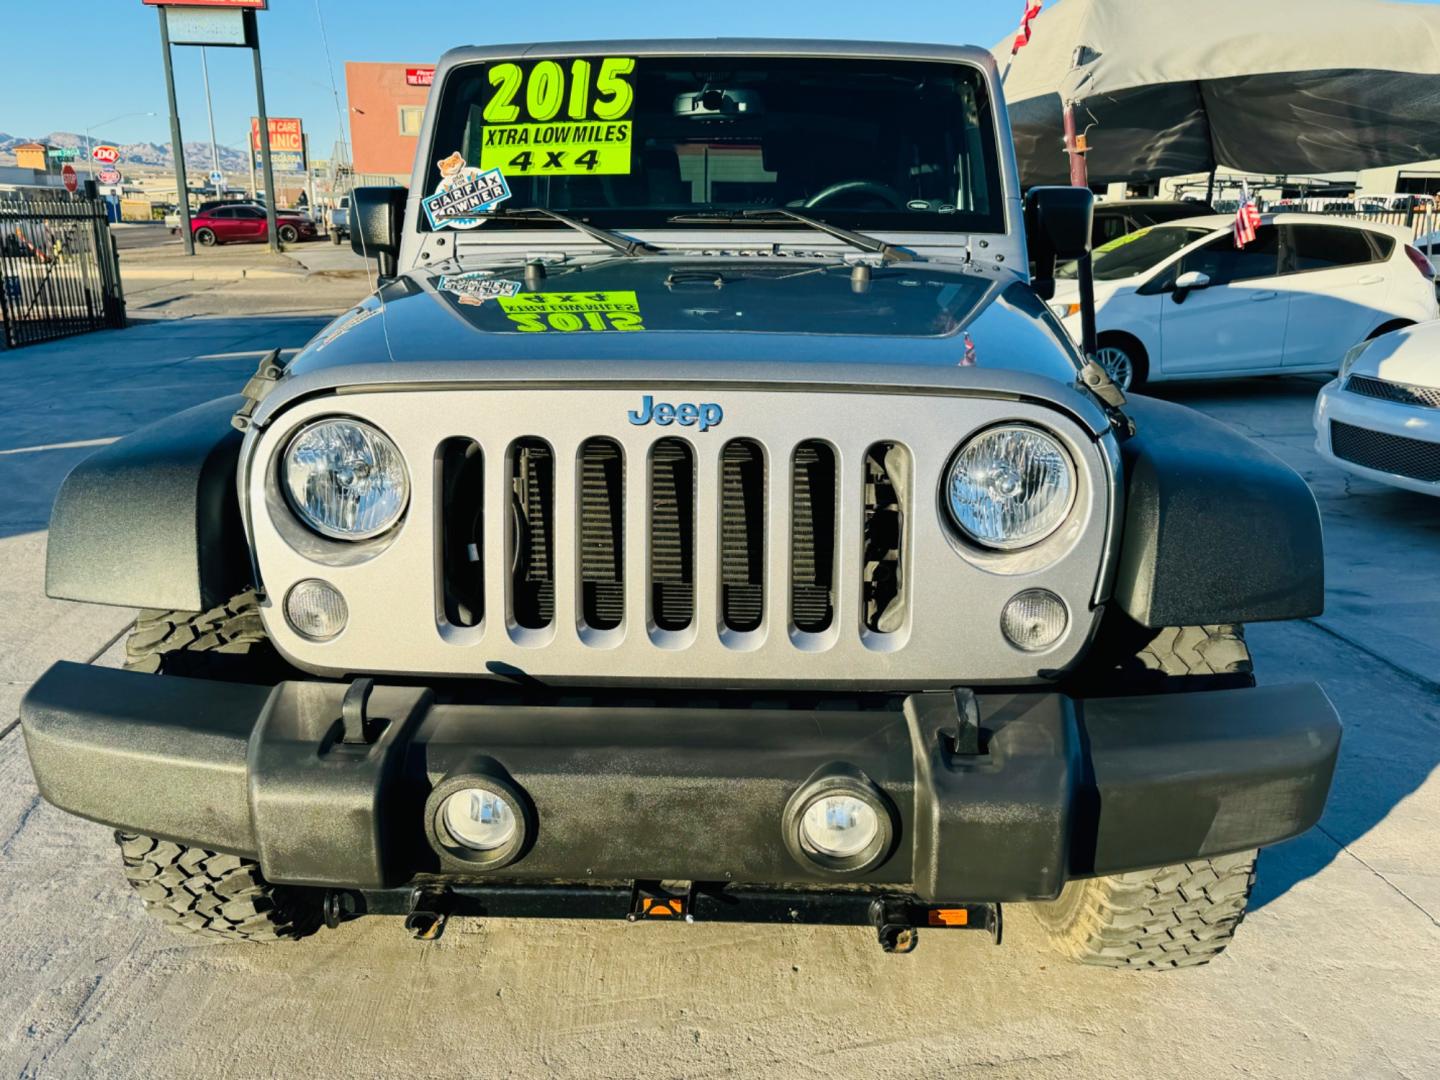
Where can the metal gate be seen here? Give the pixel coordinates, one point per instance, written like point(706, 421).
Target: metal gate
point(59, 273)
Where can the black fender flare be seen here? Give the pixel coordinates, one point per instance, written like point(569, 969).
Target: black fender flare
point(1217, 529)
point(153, 520)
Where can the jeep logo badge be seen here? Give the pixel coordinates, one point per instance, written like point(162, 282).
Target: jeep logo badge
point(686, 414)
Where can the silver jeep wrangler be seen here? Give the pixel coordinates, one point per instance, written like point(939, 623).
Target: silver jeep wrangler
point(704, 519)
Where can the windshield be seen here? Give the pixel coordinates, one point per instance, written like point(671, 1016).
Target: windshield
point(1138, 252)
point(629, 142)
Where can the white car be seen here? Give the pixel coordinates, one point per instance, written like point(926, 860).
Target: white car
point(1180, 301)
point(1380, 418)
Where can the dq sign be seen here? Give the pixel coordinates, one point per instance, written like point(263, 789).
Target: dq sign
point(105, 154)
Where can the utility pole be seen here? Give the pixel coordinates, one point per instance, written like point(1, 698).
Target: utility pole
point(265, 166)
point(210, 111)
point(177, 145)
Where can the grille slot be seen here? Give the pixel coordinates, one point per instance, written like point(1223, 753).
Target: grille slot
point(1415, 458)
point(462, 538)
point(672, 534)
point(812, 537)
point(887, 486)
point(742, 535)
point(602, 534)
point(532, 487)
point(1422, 396)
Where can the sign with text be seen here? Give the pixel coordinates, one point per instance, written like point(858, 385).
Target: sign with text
point(207, 26)
point(419, 76)
point(105, 154)
point(287, 143)
point(70, 178)
point(253, 5)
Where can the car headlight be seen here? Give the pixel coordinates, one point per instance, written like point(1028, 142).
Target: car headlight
point(345, 479)
point(1356, 351)
point(1064, 310)
point(1010, 487)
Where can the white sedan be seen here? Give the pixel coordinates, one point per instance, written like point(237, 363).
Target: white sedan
point(1180, 301)
point(1380, 418)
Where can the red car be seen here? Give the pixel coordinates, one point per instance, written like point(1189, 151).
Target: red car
point(246, 221)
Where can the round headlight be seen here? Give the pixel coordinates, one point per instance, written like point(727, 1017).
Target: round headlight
point(479, 818)
point(841, 826)
point(345, 479)
point(1010, 487)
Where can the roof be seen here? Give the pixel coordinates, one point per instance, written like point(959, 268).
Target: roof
point(725, 47)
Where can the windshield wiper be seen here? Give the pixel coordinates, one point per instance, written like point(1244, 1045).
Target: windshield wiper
point(622, 244)
point(887, 252)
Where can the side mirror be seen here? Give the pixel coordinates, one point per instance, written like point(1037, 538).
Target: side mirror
point(1058, 224)
point(1191, 279)
point(377, 216)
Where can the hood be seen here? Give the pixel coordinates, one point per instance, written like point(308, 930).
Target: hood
point(701, 310)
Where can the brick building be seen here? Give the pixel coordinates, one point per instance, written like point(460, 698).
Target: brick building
point(387, 102)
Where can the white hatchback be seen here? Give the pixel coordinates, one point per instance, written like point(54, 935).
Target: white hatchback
point(1380, 418)
point(1180, 301)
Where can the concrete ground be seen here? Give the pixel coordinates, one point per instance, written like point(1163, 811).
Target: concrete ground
point(1334, 973)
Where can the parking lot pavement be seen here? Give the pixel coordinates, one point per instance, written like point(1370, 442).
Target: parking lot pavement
point(1332, 975)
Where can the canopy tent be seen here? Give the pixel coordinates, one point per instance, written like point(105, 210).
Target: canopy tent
point(1288, 86)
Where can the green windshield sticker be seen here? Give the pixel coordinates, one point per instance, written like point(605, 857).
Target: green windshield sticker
point(1121, 241)
point(570, 311)
point(553, 118)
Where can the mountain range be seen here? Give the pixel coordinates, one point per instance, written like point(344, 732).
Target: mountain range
point(197, 154)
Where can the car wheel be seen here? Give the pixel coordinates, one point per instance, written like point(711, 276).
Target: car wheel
point(1124, 363)
point(289, 234)
point(205, 237)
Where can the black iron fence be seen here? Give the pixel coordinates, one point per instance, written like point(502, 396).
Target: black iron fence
point(59, 274)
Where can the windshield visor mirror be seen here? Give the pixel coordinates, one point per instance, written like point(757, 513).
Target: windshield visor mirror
point(718, 103)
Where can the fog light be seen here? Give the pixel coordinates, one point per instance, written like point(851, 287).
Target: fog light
point(840, 826)
point(479, 819)
point(1033, 620)
point(316, 609)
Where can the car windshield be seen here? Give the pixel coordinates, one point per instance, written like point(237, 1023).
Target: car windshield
point(630, 142)
point(1137, 252)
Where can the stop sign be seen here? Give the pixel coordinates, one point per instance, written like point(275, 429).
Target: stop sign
point(72, 180)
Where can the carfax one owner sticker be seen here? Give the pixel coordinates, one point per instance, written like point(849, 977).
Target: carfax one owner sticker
point(463, 192)
point(559, 118)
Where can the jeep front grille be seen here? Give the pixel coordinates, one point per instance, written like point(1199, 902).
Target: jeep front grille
point(804, 539)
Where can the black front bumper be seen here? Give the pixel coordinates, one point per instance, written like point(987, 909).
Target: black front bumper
point(1060, 788)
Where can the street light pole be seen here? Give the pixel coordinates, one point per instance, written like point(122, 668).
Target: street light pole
point(210, 111)
point(182, 187)
point(264, 133)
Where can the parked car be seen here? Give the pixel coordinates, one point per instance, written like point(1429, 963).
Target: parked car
point(340, 220)
point(240, 222)
point(1380, 417)
point(703, 558)
point(1181, 301)
point(1116, 219)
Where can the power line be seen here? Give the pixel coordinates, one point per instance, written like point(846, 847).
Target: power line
point(334, 89)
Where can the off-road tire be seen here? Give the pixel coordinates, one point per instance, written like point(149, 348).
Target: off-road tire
point(212, 895)
point(1152, 920)
point(227, 644)
point(1128, 658)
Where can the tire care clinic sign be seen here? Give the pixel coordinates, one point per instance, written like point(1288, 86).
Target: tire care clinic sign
point(559, 117)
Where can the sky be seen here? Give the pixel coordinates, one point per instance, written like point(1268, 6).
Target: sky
point(108, 62)
point(69, 65)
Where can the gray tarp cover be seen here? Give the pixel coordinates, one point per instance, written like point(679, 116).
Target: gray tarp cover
point(1285, 86)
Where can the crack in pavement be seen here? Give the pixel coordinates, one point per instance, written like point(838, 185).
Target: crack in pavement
point(1401, 892)
point(13, 724)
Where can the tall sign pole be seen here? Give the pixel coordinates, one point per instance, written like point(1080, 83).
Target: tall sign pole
point(177, 146)
point(266, 168)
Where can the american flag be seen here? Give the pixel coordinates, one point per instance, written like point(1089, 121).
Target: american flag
point(1032, 8)
point(1247, 218)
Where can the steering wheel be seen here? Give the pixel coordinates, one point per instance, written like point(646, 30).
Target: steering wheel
point(855, 187)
